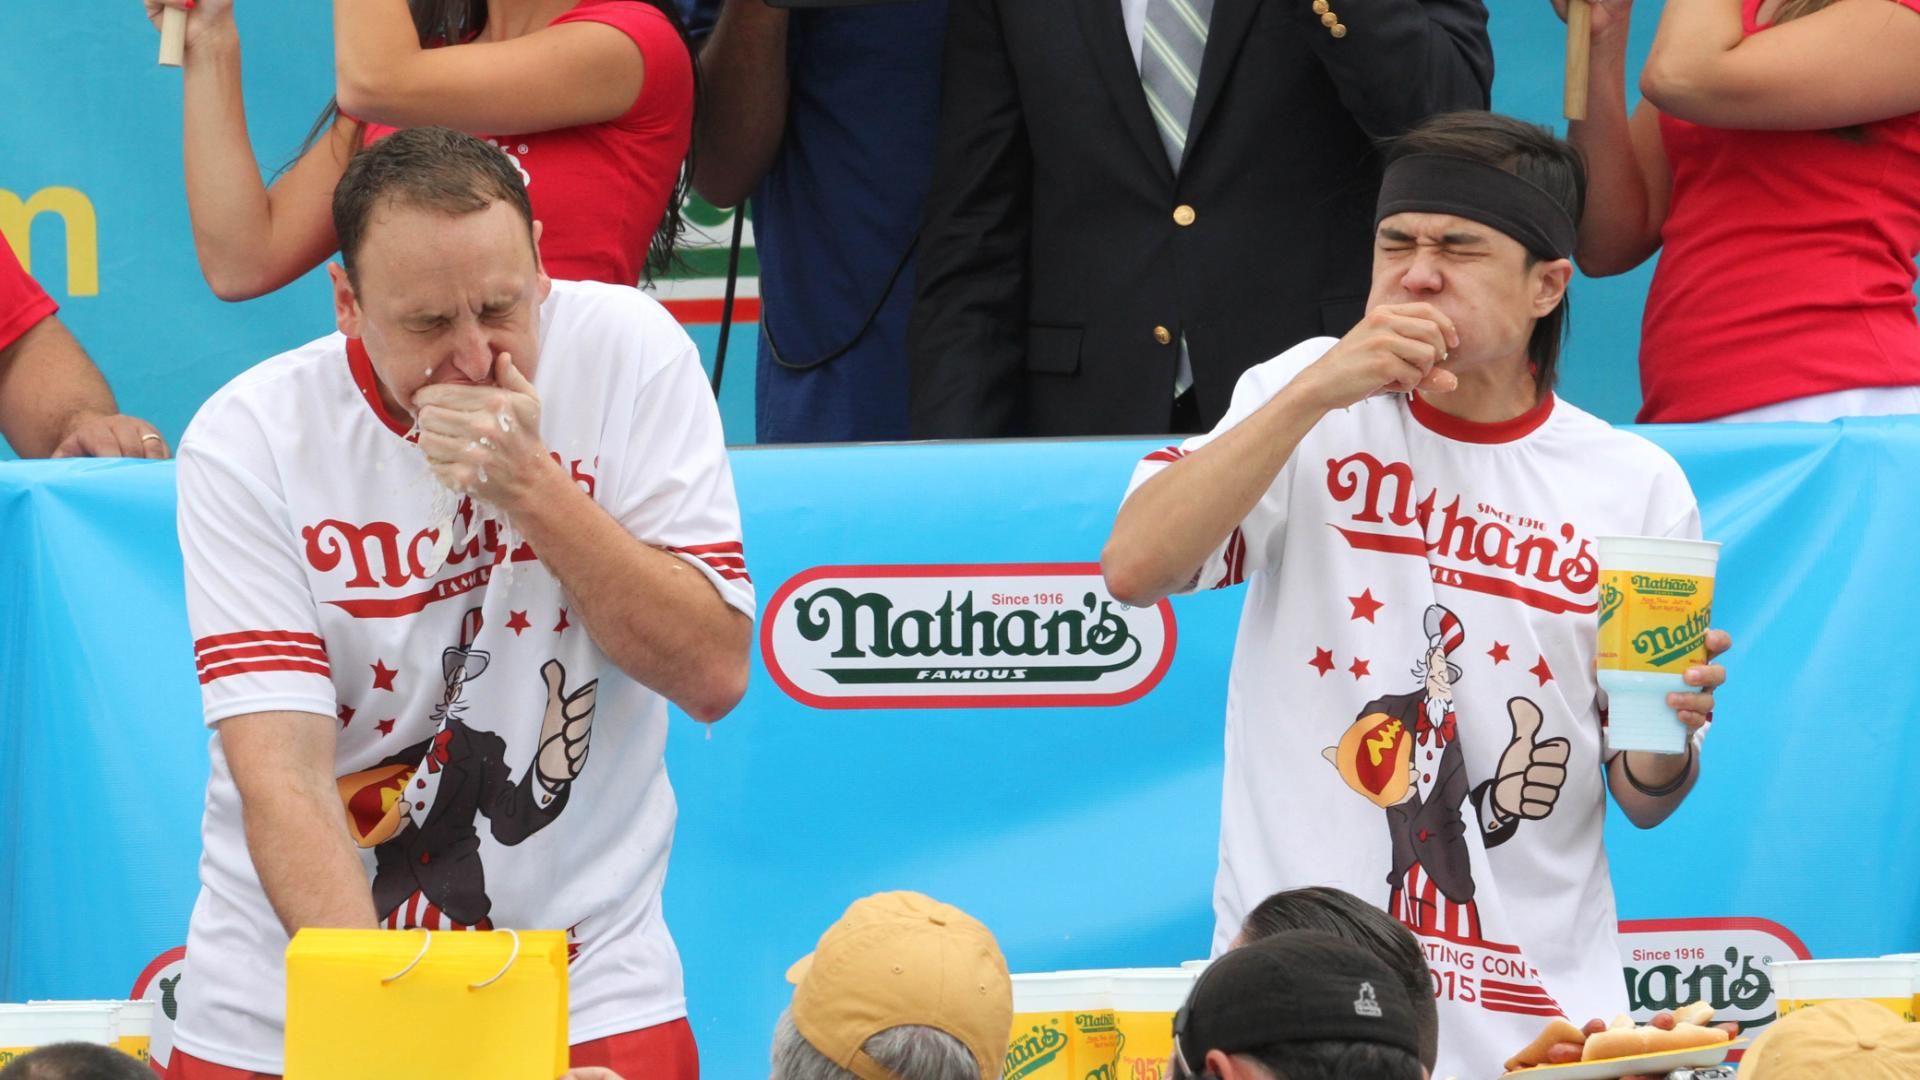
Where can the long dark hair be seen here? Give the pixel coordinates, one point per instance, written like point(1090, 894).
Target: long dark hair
point(444, 22)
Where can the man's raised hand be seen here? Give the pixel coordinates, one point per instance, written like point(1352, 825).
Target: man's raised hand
point(484, 440)
point(1397, 348)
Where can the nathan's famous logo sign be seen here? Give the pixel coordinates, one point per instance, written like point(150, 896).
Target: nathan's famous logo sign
point(854, 637)
point(1724, 962)
point(74, 211)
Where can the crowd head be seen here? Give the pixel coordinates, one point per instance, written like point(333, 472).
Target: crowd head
point(1304, 1005)
point(1838, 1040)
point(902, 987)
point(76, 1061)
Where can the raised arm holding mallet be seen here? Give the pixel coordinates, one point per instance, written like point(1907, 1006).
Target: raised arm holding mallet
point(173, 36)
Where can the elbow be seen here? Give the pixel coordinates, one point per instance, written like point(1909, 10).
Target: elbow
point(233, 285)
point(1127, 577)
point(720, 692)
point(723, 182)
point(1671, 88)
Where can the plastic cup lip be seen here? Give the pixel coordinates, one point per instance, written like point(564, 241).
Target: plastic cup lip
point(1636, 552)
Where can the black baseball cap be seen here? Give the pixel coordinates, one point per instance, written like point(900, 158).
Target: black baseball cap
point(1301, 986)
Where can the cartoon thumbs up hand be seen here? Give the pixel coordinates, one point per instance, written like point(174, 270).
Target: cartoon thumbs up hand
point(1532, 770)
point(565, 729)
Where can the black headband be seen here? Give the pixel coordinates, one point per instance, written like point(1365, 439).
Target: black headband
point(1435, 184)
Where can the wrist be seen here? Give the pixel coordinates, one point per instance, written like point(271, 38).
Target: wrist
point(546, 492)
point(1657, 775)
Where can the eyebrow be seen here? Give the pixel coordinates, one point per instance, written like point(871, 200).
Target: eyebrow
point(1452, 239)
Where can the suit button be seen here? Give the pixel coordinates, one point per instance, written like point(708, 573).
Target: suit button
point(1163, 335)
point(1329, 20)
point(419, 806)
point(1321, 7)
point(1183, 215)
point(1339, 30)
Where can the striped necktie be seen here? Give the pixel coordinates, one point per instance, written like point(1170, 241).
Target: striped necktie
point(1174, 40)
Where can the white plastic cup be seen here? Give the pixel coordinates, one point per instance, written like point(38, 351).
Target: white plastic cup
point(25, 1027)
point(1886, 981)
point(1656, 599)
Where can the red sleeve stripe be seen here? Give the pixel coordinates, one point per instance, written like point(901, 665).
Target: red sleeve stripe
point(1236, 571)
point(253, 636)
point(1171, 453)
point(731, 547)
point(215, 657)
point(241, 667)
point(728, 560)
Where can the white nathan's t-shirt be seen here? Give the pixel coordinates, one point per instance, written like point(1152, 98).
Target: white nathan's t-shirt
point(1426, 586)
point(308, 523)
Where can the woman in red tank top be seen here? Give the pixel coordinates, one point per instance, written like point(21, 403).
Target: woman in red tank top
point(1775, 165)
point(593, 99)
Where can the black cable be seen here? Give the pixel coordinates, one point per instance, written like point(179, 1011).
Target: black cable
point(726, 304)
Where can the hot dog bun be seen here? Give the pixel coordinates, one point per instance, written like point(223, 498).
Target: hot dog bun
point(1626, 1042)
point(1535, 1053)
point(1697, 1013)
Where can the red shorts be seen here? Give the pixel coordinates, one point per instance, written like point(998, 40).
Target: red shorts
point(665, 1051)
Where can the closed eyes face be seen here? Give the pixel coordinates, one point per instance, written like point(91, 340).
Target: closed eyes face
point(439, 296)
point(1483, 279)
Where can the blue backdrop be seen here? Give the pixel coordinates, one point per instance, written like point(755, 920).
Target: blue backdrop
point(101, 154)
point(1083, 836)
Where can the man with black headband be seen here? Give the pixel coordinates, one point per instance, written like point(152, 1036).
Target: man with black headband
point(1414, 715)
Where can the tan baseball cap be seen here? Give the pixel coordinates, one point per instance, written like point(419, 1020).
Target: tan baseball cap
point(1835, 1040)
point(901, 958)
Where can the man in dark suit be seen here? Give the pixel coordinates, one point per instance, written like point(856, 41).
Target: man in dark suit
point(1136, 200)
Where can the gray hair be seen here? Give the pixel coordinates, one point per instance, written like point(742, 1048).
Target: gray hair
point(910, 1052)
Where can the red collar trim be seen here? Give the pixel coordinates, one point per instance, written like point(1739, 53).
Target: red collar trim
point(365, 381)
point(1469, 431)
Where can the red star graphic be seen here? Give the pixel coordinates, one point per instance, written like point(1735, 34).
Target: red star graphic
point(1359, 668)
point(563, 623)
point(1322, 660)
point(384, 727)
point(517, 622)
point(1499, 653)
point(346, 715)
point(1542, 671)
point(1364, 605)
point(383, 675)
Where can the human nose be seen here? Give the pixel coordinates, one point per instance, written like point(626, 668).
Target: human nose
point(473, 353)
point(1423, 273)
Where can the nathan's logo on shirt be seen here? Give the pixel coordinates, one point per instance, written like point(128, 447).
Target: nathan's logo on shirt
point(852, 637)
point(1722, 961)
point(1033, 1051)
point(1527, 553)
point(1662, 645)
point(1654, 585)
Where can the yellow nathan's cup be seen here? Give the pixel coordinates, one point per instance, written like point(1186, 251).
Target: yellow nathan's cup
point(1062, 1026)
point(1143, 1004)
point(1656, 600)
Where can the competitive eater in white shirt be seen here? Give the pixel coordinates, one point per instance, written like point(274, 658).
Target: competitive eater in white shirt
point(431, 561)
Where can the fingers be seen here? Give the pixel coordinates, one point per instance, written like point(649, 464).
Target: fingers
point(1552, 752)
point(1718, 641)
point(507, 374)
point(94, 436)
point(1429, 313)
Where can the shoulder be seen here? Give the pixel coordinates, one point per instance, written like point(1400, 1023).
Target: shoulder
point(615, 324)
point(274, 395)
point(1260, 382)
point(1641, 463)
point(647, 25)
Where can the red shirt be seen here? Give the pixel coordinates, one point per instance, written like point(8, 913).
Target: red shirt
point(1786, 266)
point(22, 302)
point(600, 189)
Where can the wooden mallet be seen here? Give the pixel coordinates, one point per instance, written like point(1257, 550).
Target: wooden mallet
point(1579, 49)
point(173, 36)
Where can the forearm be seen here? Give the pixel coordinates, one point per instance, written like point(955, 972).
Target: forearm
point(652, 613)
point(743, 101)
point(47, 384)
point(226, 198)
point(1616, 233)
point(307, 864)
point(1165, 530)
point(1663, 781)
